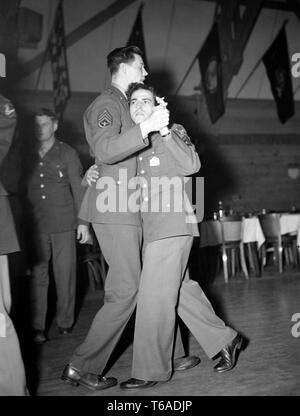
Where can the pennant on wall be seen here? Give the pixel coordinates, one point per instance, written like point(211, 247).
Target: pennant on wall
point(211, 74)
point(58, 57)
point(277, 63)
point(136, 37)
point(236, 20)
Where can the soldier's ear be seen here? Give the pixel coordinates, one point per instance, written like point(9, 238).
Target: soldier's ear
point(55, 125)
point(123, 68)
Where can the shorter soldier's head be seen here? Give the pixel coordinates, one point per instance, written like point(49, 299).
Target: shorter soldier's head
point(46, 123)
point(126, 65)
point(141, 98)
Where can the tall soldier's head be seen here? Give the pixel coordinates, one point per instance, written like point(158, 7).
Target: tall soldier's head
point(126, 66)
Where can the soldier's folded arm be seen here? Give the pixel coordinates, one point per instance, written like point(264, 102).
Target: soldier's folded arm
point(182, 151)
point(109, 144)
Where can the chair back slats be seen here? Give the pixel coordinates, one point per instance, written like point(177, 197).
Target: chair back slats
point(231, 228)
point(270, 224)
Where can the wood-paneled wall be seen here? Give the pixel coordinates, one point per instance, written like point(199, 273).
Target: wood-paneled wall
point(245, 155)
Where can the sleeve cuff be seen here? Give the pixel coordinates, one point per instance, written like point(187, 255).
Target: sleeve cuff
point(167, 137)
point(82, 222)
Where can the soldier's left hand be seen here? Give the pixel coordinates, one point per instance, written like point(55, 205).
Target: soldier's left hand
point(92, 174)
point(83, 233)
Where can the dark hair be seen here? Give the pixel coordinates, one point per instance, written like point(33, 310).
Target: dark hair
point(120, 55)
point(134, 86)
point(46, 112)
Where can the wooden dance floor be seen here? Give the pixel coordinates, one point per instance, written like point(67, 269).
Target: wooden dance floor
point(261, 308)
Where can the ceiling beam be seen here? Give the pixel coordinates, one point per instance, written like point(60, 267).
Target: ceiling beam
point(78, 33)
point(267, 4)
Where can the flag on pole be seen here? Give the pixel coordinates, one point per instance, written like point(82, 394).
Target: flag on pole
point(277, 63)
point(211, 74)
point(59, 65)
point(136, 37)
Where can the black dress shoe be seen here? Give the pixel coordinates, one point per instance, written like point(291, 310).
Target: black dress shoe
point(135, 383)
point(64, 331)
point(185, 363)
point(229, 355)
point(92, 381)
point(39, 337)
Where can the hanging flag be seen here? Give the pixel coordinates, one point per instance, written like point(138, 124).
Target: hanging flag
point(277, 63)
point(236, 20)
point(136, 37)
point(58, 57)
point(211, 74)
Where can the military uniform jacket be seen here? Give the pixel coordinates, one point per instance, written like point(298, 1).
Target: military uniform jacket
point(54, 191)
point(114, 140)
point(8, 120)
point(165, 208)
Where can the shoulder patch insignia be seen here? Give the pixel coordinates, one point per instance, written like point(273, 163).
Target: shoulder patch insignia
point(182, 134)
point(187, 141)
point(104, 119)
point(8, 110)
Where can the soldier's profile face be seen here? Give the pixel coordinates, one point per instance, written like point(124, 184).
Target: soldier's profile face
point(141, 105)
point(45, 128)
point(135, 70)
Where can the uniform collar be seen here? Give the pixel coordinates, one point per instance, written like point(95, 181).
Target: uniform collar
point(118, 91)
point(55, 146)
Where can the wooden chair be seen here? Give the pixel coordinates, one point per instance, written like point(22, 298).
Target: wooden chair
point(96, 269)
point(94, 262)
point(232, 246)
point(282, 246)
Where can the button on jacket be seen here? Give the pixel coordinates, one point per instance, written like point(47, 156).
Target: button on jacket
point(113, 139)
point(167, 161)
point(54, 189)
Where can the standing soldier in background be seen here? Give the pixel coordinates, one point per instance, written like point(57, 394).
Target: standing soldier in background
point(12, 374)
point(54, 193)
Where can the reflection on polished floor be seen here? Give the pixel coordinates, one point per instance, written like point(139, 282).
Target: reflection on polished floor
point(261, 308)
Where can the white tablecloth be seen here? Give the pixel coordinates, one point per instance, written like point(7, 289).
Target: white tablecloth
point(252, 231)
point(210, 232)
point(290, 223)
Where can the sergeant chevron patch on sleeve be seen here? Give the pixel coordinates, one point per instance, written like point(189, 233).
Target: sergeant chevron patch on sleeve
point(104, 119)
point(182, 134)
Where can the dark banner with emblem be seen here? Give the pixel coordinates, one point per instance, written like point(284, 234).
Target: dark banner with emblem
point(277, 63)
point(211, 73)
point(136, 37)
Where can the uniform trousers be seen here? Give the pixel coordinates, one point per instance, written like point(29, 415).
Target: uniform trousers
point(62, 248)
point(162, 294)
point(12, 374)
point(121, 248)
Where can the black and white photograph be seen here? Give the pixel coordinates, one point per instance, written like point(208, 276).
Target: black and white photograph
point(149, 201)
